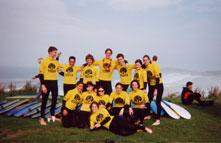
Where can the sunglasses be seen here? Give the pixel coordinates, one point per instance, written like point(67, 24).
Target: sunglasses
point(100, 90)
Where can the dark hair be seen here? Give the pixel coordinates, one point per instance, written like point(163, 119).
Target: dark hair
point(99, 88)
point(146, 56)
point(94, 102)
point(136, 82)
point(72, 57)
point(138, 61)
point(120, 55)
point(79, 82)
point(189, 83)
point(108, 49)
point(89, 56)
point(154, 58)
point(117, 84)
point(51, 49)
point(89, 84)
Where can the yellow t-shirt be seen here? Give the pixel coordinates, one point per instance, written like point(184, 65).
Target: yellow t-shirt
point(90, 73)
point(125, 73)
point(151, 74)
point(102, 100)
point(138, 98)
point(87, 99)
point(107, 67)
point(120, 100)
point(49, 68)
point(99, 116)
point(141, 76)
point(157, 71)
point(70, 73)
point(73, 98)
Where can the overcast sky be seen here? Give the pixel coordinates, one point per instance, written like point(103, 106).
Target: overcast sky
point(183, 33)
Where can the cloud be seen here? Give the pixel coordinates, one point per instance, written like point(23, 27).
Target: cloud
point(139, 5)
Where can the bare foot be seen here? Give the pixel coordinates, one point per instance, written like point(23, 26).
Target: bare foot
point(147, 118)
point(156, 123)
point(42, 122)
point(148, 130)
point(139, 130)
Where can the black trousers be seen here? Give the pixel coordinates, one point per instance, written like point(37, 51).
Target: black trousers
point(107, 86)
point(123, 127)
point(70, 120)
point(115, 111)
point(67, 87)
point(83, 119)
point(160, 90)
point(52, 86)
point(150, 92)
point(125, 87)
point(139, 114)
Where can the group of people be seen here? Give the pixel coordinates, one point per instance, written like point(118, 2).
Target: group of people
point(91, 102)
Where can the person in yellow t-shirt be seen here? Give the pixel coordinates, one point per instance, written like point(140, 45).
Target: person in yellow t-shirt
point(87, 98)
point(70, 74)
point(125, 71)
point(107, 66)
point(140, 100)
point(151, 76)
point(89, 72)
point(140, 75)
point(101, 118)
point(120, 100)
point(159, 89)
point(102, 98)
point(69, 108)
point(48, 79)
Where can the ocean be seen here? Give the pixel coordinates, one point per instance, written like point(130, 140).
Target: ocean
point(174, 79)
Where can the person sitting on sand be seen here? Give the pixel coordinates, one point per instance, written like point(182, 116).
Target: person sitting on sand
point(188, 96)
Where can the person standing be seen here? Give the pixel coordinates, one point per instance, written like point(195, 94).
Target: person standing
point(140, 75)
point(48, 78)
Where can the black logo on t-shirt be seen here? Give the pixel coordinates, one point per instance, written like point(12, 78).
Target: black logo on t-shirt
point(101, 102)
point(136, 76)
point(77, 97)
point(88, 73)
point(99, 117)
point(69, 70)
point(89, 98)
point(123, 72)
point(119, 101)
point(137, 99)
point(51, 67)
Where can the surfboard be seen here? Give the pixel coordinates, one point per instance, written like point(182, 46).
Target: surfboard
point(47, 110)
point(25, 96)
point(153, 106)
point(8, 104)
point(56, 112)
point(13, 106)
point(15, 110)
point(178, 109)
point(3, 102)
point(169, 111)
point(35, 110)
point(26, 110)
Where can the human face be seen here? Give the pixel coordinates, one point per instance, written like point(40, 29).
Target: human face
point(53, 54)
point(100, 91)
point(89, 61)
point(71, 62)
point(190, 87)
point(94, 108)
point(119, 89)
point(146, 61)
point(134, 86)
point(108, 54)
point(120, 60)
point(90, 88)
point(80, 87)
point(138, 65)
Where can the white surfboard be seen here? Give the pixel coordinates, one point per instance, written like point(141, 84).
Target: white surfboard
point(178, 109)
point(169, 111)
